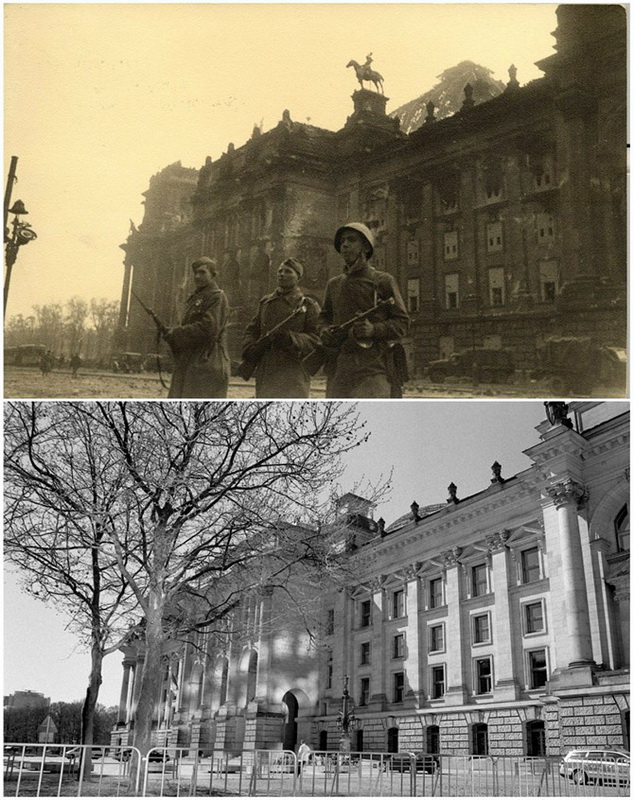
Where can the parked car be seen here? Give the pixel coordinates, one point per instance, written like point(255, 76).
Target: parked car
point(598, 766)
point(154, 755)
point(95, 752)
point(402, 762)
point(487, 366)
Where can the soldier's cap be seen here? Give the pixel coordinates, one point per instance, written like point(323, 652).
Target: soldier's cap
point(204, 261)
point(359, 227)
point(293, 263)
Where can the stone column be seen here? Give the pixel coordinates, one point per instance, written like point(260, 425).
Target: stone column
point(505, 683)
point(576, 650)
point(264, 644)
point(125, 689)
point(455, 690)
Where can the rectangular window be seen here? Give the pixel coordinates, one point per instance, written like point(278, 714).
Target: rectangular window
point(330, 622)
point(548, 280)
point(451, 245)
point(545, 228)
point(399, 687)
point(496, 286)
point(366, 613)
point(364, 691)
point(479, 584)
point(530, 565)
point(435, 593)
point(398, 646)
point(413, 253)
point(452, 298)
point(437, 682)
point(481, 629)
point(483, 675)
point(329, 673)
point(494, 237)
point(534, 617)
point(413, 295)
point(436, 638)
point(398, 604)
point(365, 653)
point(537, 669)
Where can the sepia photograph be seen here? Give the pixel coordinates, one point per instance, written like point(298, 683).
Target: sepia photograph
point(315, 200)
point(317, 599)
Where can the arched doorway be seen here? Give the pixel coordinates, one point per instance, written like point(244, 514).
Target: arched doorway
point(392, 740)
point(535, 738)
point(433, 739)
point(480, 739)
point(291, 710)
point(323, 740)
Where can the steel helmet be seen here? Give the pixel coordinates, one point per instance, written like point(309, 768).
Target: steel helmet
point(360, 228)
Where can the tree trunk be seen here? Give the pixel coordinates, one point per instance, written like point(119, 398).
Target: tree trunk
point(150, 680)
point(90, 702)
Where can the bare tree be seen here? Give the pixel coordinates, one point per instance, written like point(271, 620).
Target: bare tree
point(75, 323)
point(60, 496)
point(201, 500)
point(104, 316)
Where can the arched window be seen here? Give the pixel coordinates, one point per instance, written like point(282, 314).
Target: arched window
point(622, 530)
point(392, 740)
point(289, 734)
point(480, 739)
point(535, 738)
point(433, 739)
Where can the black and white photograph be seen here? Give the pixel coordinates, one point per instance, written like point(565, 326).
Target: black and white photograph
point(316, 472)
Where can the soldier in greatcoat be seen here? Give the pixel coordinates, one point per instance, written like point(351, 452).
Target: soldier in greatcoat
point(198, 344)
point(277, 356)
point(362, 361)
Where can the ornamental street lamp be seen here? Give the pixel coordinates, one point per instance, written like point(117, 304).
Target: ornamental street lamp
point(20, 233)
point(347, 721)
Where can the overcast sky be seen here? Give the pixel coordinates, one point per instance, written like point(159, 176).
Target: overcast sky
point(99, 97)
point(427, 444)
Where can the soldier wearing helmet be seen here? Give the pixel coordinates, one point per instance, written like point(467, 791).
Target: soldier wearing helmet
point(283, 331)
point(198, 344)
point(361, 358)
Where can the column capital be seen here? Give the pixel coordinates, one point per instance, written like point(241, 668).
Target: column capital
point(567, 492)
point(496, 542)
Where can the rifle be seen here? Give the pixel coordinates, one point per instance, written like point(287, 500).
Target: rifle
point(313, 361)
point(247, 366)
point(162, 329)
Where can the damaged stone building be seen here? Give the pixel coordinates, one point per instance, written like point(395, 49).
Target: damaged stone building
point(504, 223)
point(491, 624)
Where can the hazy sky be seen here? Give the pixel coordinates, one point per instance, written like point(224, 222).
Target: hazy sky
point(99, 97)
point(428, 444)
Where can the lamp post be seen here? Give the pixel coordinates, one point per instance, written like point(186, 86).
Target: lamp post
point(20, 233)
point(347, 721)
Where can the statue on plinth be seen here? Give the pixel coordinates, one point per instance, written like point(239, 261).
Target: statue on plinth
point(364, 72)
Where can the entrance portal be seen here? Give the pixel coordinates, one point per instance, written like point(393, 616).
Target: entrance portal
point(289, 734)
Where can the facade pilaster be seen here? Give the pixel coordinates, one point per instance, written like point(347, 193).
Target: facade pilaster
point(412, 638)
point(381, 690)
point(456, 692)
point(506, 687)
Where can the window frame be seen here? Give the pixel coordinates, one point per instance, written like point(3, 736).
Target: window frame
point(530, 671)
point(433, 668)
point(473, 586)
point(365, 619)
point(365, 649)
point(430, 595)
point(398, 687)
point(522, 569)
point(399, 603)
point(436, 626)
point(398, 652)
point(474, 617)
point(525, 605)
point(478, 676)
point(364, 690)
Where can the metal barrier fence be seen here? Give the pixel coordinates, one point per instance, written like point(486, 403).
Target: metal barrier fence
point(56, 771)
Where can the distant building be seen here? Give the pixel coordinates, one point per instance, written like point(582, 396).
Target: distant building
point(491, 624)
point(504, 223)
point(26, 699)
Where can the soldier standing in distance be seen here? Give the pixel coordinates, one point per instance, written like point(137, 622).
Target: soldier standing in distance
point(364, 365)
point(280, 371)
point(198, 344)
